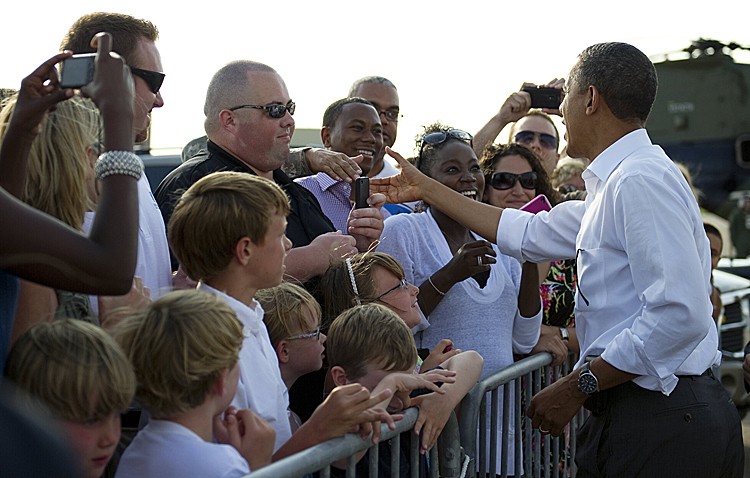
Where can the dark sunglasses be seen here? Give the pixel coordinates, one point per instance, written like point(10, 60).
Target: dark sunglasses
point(274, 111)
point(440, 137)
point(527, 137)
point(153, 79)
point(503, 181)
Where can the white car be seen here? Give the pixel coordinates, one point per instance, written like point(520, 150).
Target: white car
point(733, 331)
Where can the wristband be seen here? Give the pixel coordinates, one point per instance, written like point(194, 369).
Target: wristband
point(118, 162)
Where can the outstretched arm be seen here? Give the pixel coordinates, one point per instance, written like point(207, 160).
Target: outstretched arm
point(40, 248)
point(412, 185)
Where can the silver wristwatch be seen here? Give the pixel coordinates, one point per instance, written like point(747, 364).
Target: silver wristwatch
point(587, 382)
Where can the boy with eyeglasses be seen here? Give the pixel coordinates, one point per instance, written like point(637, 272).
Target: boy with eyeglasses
point(228, 231)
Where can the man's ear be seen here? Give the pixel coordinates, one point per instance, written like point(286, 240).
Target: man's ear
point(339, 375)
point(325, 136)
point(220, 383)
point(593, 100)
point(282, 351)
point(226, 119)
point(244, 250)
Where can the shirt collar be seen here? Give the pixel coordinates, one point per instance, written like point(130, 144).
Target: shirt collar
point(251, 316)
point(603, 165)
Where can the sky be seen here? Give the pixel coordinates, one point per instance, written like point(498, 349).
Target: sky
point(451, 61)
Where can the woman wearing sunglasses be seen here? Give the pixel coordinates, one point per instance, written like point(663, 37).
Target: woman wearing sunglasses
point(469, 291)
point(514, 176)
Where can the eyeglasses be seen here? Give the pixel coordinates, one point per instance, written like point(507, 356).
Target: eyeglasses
point(503, 181)
point(527, 137)
point(391, 115)
point(153, 79)
point(315, 334)
point(402, 284)
point(440, 137)
point(274, 111)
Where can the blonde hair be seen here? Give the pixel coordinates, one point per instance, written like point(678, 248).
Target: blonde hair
point(72, 368)
point(370, 334)
point(179, 347)
point(285, 306)
point(216, 212)
point(58, 166)
point(336, 290)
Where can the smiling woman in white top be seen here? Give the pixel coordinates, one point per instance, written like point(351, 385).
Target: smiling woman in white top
point(469, 291)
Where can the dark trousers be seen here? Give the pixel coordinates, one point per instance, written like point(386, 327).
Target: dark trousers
point(634, 432)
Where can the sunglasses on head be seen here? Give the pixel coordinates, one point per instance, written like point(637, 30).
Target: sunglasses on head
point(527, 137)
point(274, 111)
point(504, 181)
point(153, 79)
point(440, 137)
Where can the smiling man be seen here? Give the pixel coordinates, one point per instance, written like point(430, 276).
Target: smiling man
point(134, 39)
point(249, 125)
point(351, 126)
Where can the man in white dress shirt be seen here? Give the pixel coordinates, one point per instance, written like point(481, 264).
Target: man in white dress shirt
point(643, 313)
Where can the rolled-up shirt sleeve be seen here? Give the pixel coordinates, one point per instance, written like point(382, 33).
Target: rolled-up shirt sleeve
point(669, 277)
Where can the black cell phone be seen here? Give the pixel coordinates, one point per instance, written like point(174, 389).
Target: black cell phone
point(543, 97)
point(77, 71)
point(361, 192)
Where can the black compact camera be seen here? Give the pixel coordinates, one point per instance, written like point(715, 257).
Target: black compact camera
point(544, 97)
point(77, 71)
point(361, 192)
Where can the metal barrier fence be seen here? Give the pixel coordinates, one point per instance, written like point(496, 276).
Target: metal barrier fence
point(446, 455)
point(463, 448)
point(540, 456)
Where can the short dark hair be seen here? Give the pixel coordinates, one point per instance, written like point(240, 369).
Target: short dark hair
point(370, 79)
point(711, 229)
point(334, 110)
point(126, 32)
point(624, 76)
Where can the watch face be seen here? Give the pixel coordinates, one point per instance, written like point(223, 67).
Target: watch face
point(587, 383)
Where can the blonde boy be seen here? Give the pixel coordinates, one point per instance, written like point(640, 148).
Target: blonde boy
point(292, 316)
point(228, 233)
point(76, 371)
point(371, 345)
point(185, 350)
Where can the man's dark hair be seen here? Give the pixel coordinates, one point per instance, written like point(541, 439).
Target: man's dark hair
point(624, 76)
point(370, 79)
point(334, 110)
point(126, 32)
point(711, 229)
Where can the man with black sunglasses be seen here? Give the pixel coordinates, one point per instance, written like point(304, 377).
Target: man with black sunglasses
point(531, 128)
point(135, 40)
point(249, 126)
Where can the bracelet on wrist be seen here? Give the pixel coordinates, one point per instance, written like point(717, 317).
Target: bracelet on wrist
point(429, 279)
point(118, 162)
